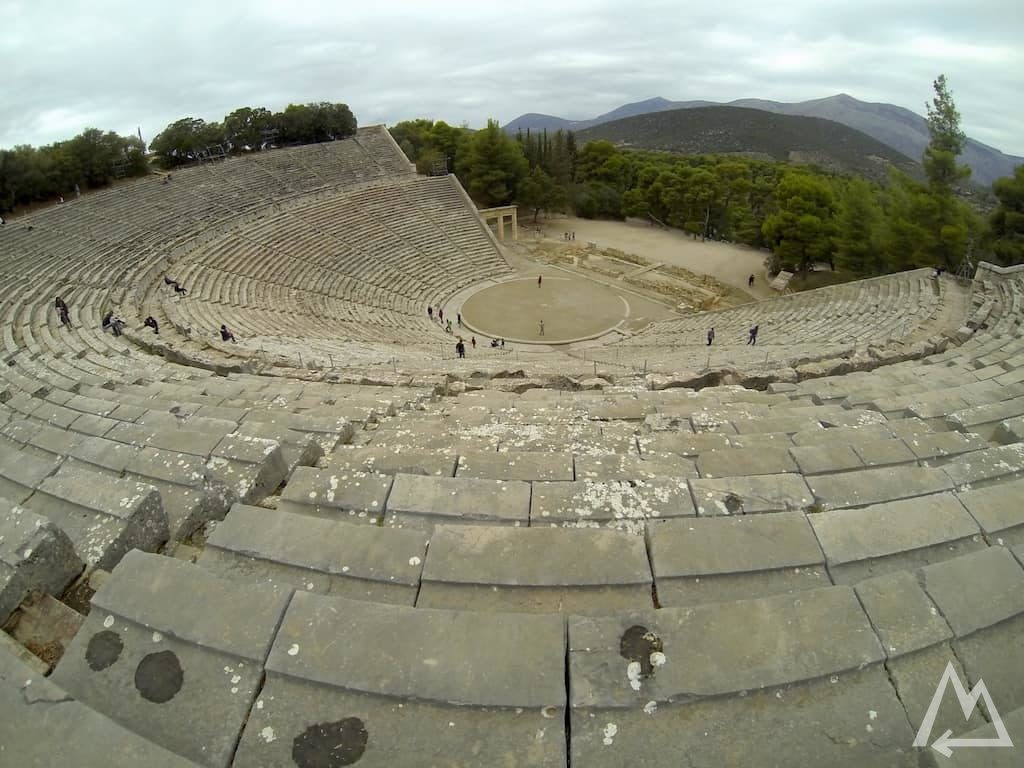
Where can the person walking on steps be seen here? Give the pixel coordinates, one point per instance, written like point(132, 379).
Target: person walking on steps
point(750, 282)
point(440, 314)
point(472, 340)
point(430, 312)
point(65, 317)
point(752, 335)
point(59, 304)
point(540, 279)
point(226, 335)
point(541, 332)
point(460, 348)
point(711, 336)
point(458, 319)
point(150, 322)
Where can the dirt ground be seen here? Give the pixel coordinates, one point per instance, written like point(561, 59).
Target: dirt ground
point(731, 264)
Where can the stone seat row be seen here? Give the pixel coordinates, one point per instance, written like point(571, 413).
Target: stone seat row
point(686, 560)
point(268, 676)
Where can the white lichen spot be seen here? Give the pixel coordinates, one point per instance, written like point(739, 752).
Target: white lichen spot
point(259, 704)
point(236, 679)
point(268, 734)
point(633, 675)
point(234, 689)
point(157, 637)
point(609, 733)
point(650, 707)
point(294, 650)
point(414, 560)
point(108, 622)
point(872, 714)
point(658, 659)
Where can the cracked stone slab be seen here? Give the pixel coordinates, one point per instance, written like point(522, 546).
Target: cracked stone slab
point(750, 495)
point(335, 494)
point(999, 511)
point(43, 726)
point(515, 465)
point(441, 686)
point(688, 654)
point(956, 586)
point(174, 653)
point(625, 468)
point(35, 555)
point(394, 459)
point(104, 517)
point(898, 535)
point(362, 562)
point(683, 443)
point(746, 461)
point(705, 560)
point(988, 466)
point(621, 505)
point(497, 568)
point(904, 617)
point(848, 720)
point(877, 485)
point(421, 501)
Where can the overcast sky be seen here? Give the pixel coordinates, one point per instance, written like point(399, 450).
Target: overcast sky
point(67, 64)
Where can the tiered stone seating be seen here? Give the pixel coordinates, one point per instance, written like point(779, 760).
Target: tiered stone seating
point(444, 569)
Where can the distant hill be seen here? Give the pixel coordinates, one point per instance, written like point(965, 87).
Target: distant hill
point(739, 130)
point(899, 128)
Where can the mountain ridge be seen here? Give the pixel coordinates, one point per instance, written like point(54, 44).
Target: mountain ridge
point(755, 132)
point(897, 127)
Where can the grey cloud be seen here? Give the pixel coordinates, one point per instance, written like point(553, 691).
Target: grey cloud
point(148, 63)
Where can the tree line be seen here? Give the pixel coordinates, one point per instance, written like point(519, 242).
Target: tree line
point(94, 159)
point(249, 129)
point(802, 214)
point(90, 160)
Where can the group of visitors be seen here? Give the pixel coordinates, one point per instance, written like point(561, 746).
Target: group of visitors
point(751, 335)
point(568, 235)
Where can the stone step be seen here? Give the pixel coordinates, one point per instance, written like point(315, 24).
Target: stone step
point(619, 505)
point(390, 460)
point(104, 517)
point(1001, 757)
point(644, 682)
point(430, 687)
point(716, 559)
point(998, 511)
point(35, 555)
point(174, 654)
point(420, 501)
point(751, 495)
point(334, 557)
point(986, 467)
point(981, 597)
point(535, 570)
point(864, 487)
point(625, 468)
point(898, 535)
point(515, 465)
point(43, 726)
point(333, 495)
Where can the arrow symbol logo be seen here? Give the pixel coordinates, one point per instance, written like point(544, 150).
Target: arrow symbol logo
point(968, 701)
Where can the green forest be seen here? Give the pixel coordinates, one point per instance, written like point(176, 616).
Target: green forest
point(802, 214)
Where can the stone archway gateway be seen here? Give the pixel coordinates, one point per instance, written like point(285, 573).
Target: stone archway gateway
point(499, 214)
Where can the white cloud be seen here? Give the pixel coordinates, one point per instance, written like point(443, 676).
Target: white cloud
point(117, 64)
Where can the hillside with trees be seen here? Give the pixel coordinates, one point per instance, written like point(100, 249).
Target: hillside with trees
point(757, 133)
point(861, 224)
